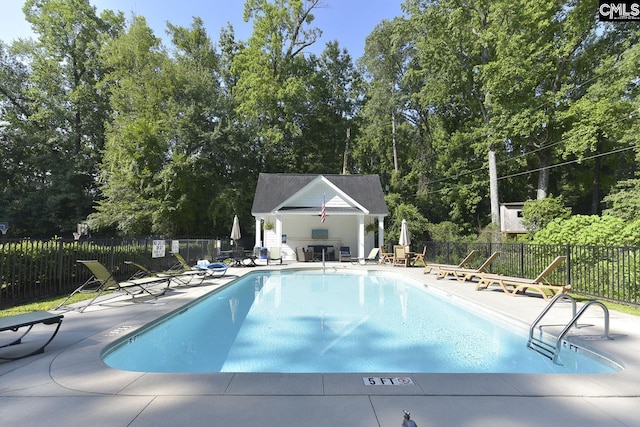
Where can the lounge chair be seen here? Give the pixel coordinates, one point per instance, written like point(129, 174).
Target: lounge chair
point(274, 254)
point(372, 257)
point(464, 274)
point(385, 256)
point(345, 253)
point(176, 275)
point(203, 267)
point(400, 256)
point(514, 285)
point(103, 280)
point(419, 257)
point(17, 324)
point(211, 269)
point(463, 264)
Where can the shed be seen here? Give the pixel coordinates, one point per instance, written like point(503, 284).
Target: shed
point(511, 218)
point(288, 210)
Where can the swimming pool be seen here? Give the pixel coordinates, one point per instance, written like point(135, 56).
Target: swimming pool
point(307, 321)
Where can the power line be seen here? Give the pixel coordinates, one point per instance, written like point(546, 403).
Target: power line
point(519, 156)
point(537, 169)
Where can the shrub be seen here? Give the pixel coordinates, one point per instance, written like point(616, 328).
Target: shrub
point(537, 214)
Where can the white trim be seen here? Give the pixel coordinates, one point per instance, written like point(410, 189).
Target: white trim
point(306, 189)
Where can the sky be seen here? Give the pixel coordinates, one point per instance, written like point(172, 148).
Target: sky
point(347, 21)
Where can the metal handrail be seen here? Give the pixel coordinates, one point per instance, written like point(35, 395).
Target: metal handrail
point(575, 319)
point(546, 310)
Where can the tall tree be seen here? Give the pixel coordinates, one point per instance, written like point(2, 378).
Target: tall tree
point(452, 41)
point(539, 46)
point(139, 134)
point(271, 90)
point(60, 114)
point(328, 121)
point(385, 62)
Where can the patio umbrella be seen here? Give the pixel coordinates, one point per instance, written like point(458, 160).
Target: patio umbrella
point(235, 230)
point(405, 239)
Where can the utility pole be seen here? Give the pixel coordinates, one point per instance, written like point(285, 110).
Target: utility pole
point(346, 152)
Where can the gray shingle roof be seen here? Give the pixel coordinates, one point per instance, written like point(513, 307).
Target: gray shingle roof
point(274, 188)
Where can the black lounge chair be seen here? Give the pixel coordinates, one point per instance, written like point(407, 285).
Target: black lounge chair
point(19, 322)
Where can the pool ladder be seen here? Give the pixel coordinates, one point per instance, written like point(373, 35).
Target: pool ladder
point(551, 350)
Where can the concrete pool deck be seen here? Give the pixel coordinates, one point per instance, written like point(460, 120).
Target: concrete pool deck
point(70, 385)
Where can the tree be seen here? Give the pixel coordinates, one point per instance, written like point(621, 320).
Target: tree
point(55, 115)
point(328, 121)
point(539, 61)
point(271, 88)
point(384, 62)
point(452, 41)
point(138, 135)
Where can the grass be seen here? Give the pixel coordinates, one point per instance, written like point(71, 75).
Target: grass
point(44, 304)
point(615, 306)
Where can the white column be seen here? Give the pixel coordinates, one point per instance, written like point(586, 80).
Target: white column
point(380, 231)
point(258, 232)
point(278, 230)
point(361, 236)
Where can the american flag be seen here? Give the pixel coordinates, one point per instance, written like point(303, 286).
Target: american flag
point(323, 212)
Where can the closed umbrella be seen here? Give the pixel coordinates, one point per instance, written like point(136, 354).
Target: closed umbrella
point(405, 239)
point(235, 230)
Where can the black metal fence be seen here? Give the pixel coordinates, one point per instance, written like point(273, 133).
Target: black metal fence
point(605, 272)
point(31, 270)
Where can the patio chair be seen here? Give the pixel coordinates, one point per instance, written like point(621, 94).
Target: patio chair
point(465, 274)
point(345, 253)
point(385, 256)
point(463, 264)
point(303, 255)
point(275, 254)
point(372, 257)
point(400, 256)
point(18, 322)
point(103, 280)
point(419, 257)
point(515, 285)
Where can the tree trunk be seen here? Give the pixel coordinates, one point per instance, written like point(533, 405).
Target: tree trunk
point(543, 178)
point(393, 141)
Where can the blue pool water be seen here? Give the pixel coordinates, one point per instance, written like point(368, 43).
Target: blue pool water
point(307, 321)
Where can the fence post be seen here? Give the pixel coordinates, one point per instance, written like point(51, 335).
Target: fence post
point(568, 264)
point(521, 259)
point(112, 256)
point(60, 264)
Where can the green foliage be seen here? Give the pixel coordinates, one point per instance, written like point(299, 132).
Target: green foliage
point(418, 225)
point(624, 203)
point(446, 231)
point(537, 214)
point(98, 117)
point(590, 230)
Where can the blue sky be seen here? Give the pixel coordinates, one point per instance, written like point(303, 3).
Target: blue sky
point(348, 21)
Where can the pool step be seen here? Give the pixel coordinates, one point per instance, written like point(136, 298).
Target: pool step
point(544, 348)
